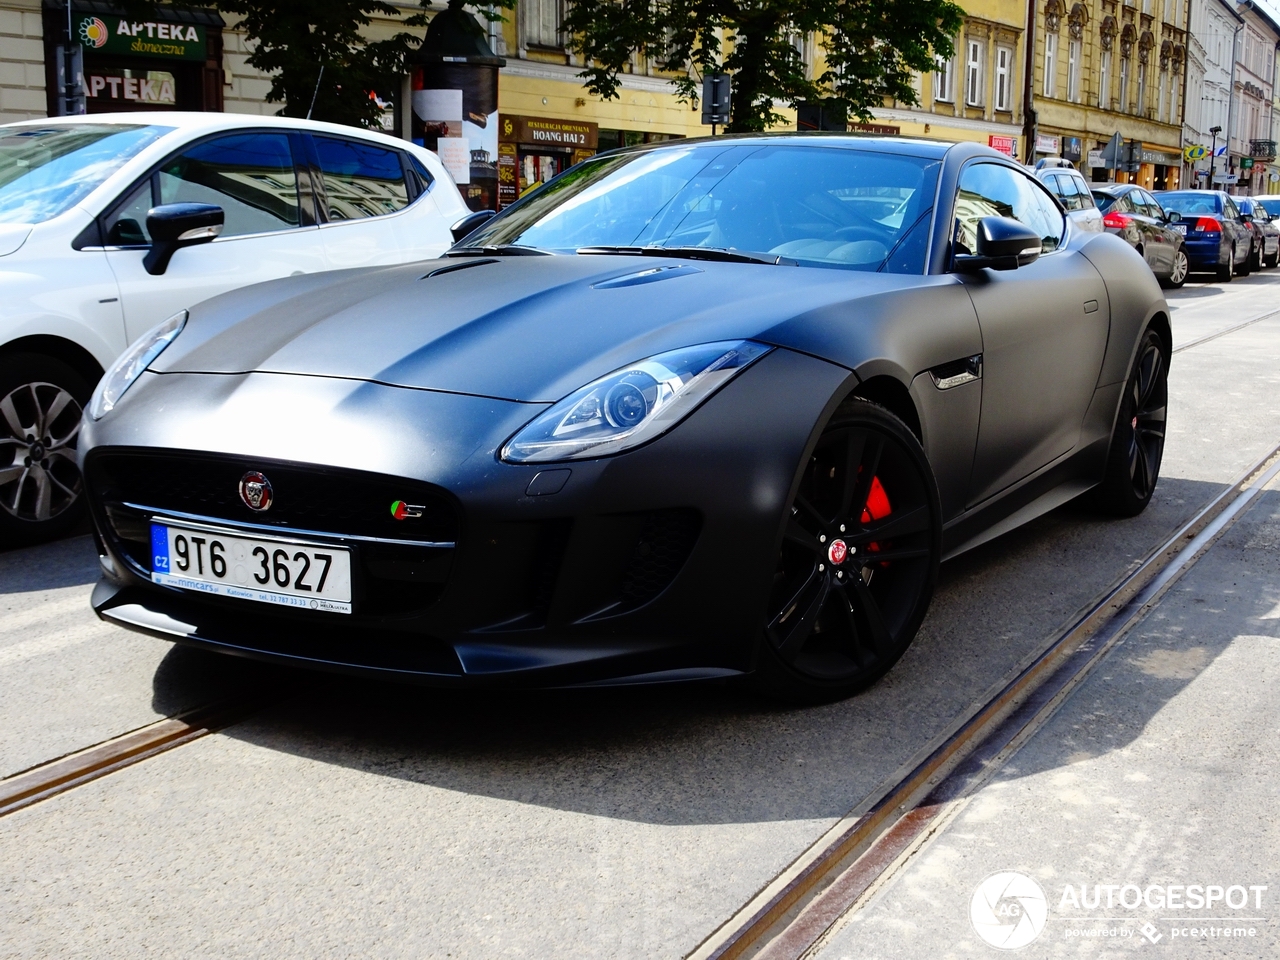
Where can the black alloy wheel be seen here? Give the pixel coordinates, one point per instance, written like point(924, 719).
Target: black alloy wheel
point(1137, 443)
point(41, 399)
point(858, 559)
point(1181, 267)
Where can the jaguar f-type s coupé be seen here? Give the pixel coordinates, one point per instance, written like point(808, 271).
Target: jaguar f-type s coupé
point(700, 409)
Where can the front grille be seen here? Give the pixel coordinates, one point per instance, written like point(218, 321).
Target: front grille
point(666, 538)
point(391, 578)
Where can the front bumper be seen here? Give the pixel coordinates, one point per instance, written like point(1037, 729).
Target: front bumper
point(653, 564)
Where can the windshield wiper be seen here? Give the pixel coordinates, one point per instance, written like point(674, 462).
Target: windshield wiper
point(498, 250)
point(695, 253)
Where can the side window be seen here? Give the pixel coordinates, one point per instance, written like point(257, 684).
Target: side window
point(1126, 204)
point(994, 190)
point(360, 179)
point(1153, 206)
point(1067, 191)
point(1082, 192)
point(249, 175)
point(127, 223)
point(1232, 210)
point(419, 171)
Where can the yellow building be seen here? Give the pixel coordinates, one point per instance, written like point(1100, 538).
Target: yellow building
point(977, 95)
point(1104, 67)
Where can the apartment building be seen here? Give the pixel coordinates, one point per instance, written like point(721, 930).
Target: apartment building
point(1251, 150)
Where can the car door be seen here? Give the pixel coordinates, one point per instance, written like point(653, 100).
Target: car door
point(1241, 234)
point(1158, 241)
point(368, 205)
point(268, 232)
point(1044, 329)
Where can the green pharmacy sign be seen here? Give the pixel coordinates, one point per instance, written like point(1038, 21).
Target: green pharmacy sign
point(148, 38)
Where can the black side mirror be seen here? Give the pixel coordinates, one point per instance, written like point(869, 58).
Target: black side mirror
point(470, 223)
point(1003, 244)
point(174, 225)
point(1246, 218)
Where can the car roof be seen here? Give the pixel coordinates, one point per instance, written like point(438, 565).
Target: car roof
point(1112, 189)
point(915, 146)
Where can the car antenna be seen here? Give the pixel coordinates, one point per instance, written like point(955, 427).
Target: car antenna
point(316, 92)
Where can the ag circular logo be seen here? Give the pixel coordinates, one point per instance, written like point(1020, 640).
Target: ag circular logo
point(1008, 910)
point(94, 32)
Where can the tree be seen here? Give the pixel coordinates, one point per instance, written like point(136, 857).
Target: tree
point(294, 39)
point(872, 48)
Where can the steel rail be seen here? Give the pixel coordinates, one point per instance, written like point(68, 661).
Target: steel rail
point(792, 912)
point(1222, 333)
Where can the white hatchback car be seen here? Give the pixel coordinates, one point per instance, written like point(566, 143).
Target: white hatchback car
point(105, 223)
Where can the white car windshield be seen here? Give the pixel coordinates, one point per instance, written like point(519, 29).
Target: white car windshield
point(47, 170)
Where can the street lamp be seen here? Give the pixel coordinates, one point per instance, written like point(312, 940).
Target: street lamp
point(1213, 153)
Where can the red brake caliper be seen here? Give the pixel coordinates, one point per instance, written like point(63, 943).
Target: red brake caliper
point(877, 508)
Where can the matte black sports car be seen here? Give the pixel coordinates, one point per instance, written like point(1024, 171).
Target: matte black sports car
point(700, 409)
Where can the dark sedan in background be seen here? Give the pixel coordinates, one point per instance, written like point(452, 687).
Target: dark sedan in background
point(1218, 239)
point(1266, 232)
point(1137, 217)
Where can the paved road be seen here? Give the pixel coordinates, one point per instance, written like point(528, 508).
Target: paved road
point(362, 819)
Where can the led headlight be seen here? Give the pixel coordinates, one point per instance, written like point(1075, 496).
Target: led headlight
point(633, 405)
point(131, 364)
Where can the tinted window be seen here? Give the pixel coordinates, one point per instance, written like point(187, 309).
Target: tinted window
point(1152, 205)
point(1082, 191)
point(127, 223)
point(1232, 210)
point(1065, 189)
point(46, 170)
point(1105, 201)
point(360, 179)
point(994, 190)
point(1191, 201)
point(249, 175)
point(822, 206)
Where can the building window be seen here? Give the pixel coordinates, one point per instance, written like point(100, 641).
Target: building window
point(1004, 60)
point(973, 73)
point(943, 81)
point(1050, 64)
point(1073, 71)
point(542, 19)
point(1104, 80)
point(1124, 84)
point(1142, 89)
point(1160, 85)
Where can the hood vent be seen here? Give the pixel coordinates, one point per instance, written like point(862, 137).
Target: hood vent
point(648, 275)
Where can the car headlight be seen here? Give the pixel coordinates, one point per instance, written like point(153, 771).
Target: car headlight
point(633, 405)
point(131, 364)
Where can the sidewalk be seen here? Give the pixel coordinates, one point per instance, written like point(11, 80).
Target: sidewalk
point(1145, 811)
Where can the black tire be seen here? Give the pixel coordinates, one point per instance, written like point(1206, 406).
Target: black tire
point(1228, 270)
point(1245, 267)
point(835, 623)
point(1137, 441)
point(1273, 261)
point(1255, 261)
point(1181, 269)
point(41, 399)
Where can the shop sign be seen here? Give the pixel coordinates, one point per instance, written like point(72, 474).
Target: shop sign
point(552, 133)
point(1195, 151)
point(157, 87)
point(1046, 144)
point(1096, 159)
point(1246, 162)
point(508, 177)
point(149, 38)
point(1006, 145)
point(1160, 157)
point(1227, 178)
point(1071, 148)
point(883, 129)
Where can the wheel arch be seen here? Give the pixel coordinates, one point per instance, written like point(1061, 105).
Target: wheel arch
point(894, 396)
point(60, 348)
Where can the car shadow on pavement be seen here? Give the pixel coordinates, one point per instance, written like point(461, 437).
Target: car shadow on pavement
point(716, 753)
point(72, 562)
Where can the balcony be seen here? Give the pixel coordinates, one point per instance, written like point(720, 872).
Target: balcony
point(1262, 149)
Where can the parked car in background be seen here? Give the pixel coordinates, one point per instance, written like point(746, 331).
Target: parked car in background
point(110, 224)
point(1135, 215)
point(1272, 205)
point(1266, 233)
point(1217, 239)
point(1072, 190)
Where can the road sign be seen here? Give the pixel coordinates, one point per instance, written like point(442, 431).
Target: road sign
point(1113, 152)
point(716, 91)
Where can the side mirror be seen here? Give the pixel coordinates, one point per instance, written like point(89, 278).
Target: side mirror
point(1003, 244)
point(174, 225)
point(470, 223)
point(1246, 218)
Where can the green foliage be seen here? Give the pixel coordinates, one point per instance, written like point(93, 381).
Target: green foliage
point(872, 46)
point(292, 39)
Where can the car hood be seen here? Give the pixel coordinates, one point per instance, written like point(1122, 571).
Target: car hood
point(516, 328)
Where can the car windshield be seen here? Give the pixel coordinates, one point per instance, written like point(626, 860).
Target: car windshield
point(827, 206)
point(1271, 205)
point(1190, 201)
point(47, 170)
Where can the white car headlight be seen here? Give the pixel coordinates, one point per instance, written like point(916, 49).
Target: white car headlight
point(631, 406)
point(131, 364)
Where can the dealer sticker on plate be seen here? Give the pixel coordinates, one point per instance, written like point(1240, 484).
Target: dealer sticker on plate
point(288, 573)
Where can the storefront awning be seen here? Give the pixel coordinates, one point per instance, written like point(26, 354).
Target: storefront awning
point(201, 16)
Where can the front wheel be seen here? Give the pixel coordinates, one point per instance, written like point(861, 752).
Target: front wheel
point(858, 560)
point(1181, 267)
point(41, 399)
point(1137, 442)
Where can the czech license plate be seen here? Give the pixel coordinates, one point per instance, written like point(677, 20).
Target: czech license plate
point(288, 573)
point(1181, 228)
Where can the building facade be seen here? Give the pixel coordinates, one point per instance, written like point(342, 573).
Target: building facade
point(1251, 150)
point(1210, 55)
point(977, 94)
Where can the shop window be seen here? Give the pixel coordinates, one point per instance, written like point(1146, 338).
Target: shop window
point(360, 180)
point(250, 176)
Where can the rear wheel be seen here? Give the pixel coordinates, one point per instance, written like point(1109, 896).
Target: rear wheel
point(1274, 260)
point(1255, 261)
point(1181, 267)
point(1245, 267)
point(858, 560)
point(1137, 442)
point(41, 399)
point(1228, 269)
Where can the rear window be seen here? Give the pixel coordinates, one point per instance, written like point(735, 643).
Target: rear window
point(1190, 201)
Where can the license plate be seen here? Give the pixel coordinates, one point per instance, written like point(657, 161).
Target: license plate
point(290, 573)
point(1181, 228)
